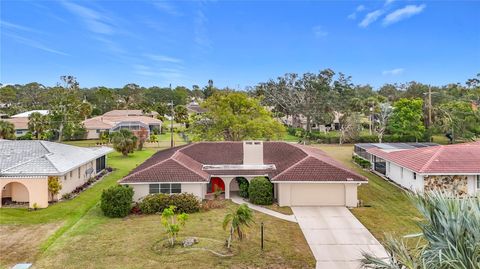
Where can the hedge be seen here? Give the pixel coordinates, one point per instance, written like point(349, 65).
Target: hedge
point(260, 191)
point(155, 203)
point(362, 162)
point(116, 201)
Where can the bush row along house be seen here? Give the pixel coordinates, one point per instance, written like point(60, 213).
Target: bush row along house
point(26, 165)
point(301, 175)
point(425, 167)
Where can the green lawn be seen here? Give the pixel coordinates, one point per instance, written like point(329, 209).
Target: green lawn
point(388, 209)
point(100, 242)
point(66, 214)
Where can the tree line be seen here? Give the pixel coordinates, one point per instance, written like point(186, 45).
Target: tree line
point(411, 109)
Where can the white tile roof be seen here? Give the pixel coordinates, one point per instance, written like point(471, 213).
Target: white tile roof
point(26, 114)
point(34, 157)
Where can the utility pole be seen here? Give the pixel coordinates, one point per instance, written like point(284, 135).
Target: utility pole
point(171, 121)
point(429, 106)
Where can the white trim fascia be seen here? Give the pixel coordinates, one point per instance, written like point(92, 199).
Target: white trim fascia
point(448, 174)
point(146, 183)
point(259, 175)
point(323, 182)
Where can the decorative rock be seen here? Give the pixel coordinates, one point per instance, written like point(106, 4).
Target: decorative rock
point(190, 241)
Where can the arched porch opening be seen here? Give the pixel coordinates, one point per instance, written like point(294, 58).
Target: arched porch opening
point(15, 193)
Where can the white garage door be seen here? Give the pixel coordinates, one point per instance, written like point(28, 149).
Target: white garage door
point(317, 194)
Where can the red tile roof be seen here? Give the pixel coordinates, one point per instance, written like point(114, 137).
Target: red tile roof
point(292, 163)
point(456, 158)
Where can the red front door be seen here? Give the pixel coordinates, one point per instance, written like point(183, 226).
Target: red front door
point(217, 183)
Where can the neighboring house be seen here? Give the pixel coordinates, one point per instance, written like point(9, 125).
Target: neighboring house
point(301, 122)
point(301, 175)
point(20, 121)
point(447, 168)
point(26, 165)
point(195, 108)
point(115, 120)
point(361, 149)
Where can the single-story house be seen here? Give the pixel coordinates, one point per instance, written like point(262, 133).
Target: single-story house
point(448, 168)
point(25, 166)
point(361, 149)
point(195, 108)
point(121, 119)
point(301, 175)
point(20, 121)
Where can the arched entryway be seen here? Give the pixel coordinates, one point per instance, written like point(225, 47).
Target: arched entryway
point(15, 193)
point(216, 183)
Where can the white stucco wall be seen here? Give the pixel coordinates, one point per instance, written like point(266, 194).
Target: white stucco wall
point(394, 173)
point(472, 185)
point(69, 183)
point(142, 190)
point(92, 134)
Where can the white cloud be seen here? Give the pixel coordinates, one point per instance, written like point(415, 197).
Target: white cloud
point(319, 31)
point(18, 27)
point(353, 16)
point(166, 73)
point(370, 18)
point(403, 13)
point(167, 8)
point(393, 72)
point(35, 44)
point(162, 58)
point(95, 21)
point(388, 2)
point(200, 30)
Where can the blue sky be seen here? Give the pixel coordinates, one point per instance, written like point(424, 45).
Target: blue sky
point(237, 43)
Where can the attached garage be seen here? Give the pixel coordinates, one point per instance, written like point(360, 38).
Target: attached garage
point(317, 194)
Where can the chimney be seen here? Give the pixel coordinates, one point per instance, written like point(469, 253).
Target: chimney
point(252, 152)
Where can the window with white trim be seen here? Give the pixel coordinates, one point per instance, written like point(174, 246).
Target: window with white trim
point(478, 182)
point(167, 188)
point(414, 176)
point(401, 172)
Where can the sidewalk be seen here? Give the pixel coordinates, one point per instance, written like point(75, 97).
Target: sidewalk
point(239, 200)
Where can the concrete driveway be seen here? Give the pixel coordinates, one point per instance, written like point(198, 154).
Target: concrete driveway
point(336, 237)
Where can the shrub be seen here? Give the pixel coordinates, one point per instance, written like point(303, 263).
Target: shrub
point(116, 201)
point(261, 191)
point(183, 202)
point(67, 196)
point(362, 162)
point(243, 189)
point(212, 204)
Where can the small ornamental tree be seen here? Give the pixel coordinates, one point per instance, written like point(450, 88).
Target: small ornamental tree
point(237, 220)
point(172, 223)
point(116, 201)
point(54, 186)
point(260, 191)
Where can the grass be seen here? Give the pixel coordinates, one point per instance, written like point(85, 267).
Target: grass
point(389, 209)
point(129, 243)
point(280, 209)
point(163, 142)
point(66, 214)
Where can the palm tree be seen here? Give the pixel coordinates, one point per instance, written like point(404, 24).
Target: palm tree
point(238, 219)
point(7, 130)
point(37, 124)
point(124, 141)
point(449, 238)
